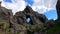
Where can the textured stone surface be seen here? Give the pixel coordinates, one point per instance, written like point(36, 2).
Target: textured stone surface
point(5, 13)
point(17, 24)
point(37, 22)
point(29, 13)
point(58, 9)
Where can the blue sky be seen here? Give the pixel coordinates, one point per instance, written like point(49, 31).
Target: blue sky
point(8, 1)
point(29, 2)
point(51, 14)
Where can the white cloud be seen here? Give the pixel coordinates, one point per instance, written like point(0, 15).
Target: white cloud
point(0, 0)
point(16, 5)
point(42, 5)
point(39, 5)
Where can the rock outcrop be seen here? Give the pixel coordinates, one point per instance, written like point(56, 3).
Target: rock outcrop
point(5, 13)
point(29, 13)
point(36, 25)
point(18, 23)
point(58, 9)
point(5, 17)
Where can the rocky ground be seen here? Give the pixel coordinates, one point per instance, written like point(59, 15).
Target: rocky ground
point(18, 24)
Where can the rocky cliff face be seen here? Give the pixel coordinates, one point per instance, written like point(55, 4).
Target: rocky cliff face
point(18, 23)
point(58, 9)
point(29, 13)
point(5, 13)
point(36, 24)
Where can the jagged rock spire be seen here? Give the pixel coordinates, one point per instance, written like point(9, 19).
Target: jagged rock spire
point(58, 8)
point(28, 8)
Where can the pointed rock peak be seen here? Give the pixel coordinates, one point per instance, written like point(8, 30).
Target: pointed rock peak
point(28, 8)
point(0, 4)
point(58, 9)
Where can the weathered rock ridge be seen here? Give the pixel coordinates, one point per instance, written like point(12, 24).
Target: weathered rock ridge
point(17, 24)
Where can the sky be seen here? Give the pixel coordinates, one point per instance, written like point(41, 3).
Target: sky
point(46, 7)
point(8, 1)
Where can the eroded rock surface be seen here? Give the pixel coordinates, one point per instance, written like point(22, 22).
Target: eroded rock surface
point(58, 9)
point(18, 23)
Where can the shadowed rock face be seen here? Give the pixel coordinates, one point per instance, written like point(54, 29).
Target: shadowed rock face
point(58, 9)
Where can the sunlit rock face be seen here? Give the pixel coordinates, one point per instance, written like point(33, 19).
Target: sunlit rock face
point(5, 13)
point(58, 9)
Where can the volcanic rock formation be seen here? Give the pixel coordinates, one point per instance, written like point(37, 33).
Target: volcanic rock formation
point(58, 9)
point(18, 24)
point(5, 13)
point(36, 21)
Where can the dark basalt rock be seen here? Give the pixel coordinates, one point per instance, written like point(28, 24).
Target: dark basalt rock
point(29, 13)
point(17, 24)
point(58, 20)
point(51, 22)
point(58, 9)
point(36, 20)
